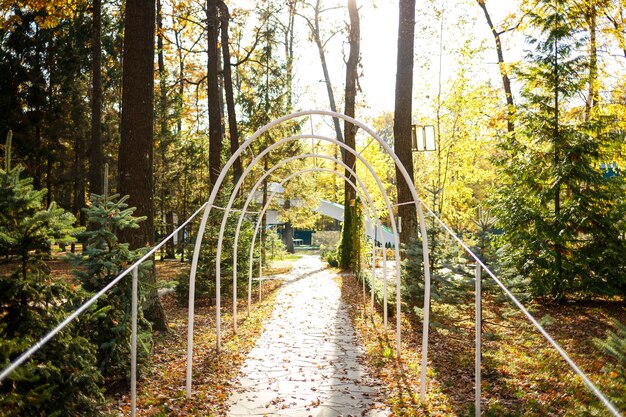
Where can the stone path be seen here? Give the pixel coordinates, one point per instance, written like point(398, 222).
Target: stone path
point(307, 363)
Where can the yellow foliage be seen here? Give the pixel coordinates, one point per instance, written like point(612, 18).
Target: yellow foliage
point(51, 11)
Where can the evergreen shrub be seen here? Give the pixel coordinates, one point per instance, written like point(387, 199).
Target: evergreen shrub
point(104, 258)
point(62, 377)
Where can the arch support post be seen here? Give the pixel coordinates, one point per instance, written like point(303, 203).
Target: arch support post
point(247, 143)
point(133, 344)
point(192, 295)
point(478, 340)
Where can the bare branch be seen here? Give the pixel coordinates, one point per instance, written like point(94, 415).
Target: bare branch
point(249, 53)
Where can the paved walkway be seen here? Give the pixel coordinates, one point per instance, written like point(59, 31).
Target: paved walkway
point(307, 363)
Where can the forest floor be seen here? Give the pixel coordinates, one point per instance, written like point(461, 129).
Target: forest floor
point(162, 391)
point(522, 374)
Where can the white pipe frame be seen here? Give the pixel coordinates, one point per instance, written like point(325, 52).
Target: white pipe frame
point(269, 200)
point(213, 196)
point(35, 347)
point(236, 190)
point(480, 264)
point(133, 344)
point(249, 200)
point(381, 187)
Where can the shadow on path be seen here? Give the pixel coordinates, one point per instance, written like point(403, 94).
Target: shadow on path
point(308, 362)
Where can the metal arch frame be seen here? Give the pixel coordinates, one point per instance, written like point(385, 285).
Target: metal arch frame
point(607, 403)
point(300, 172)
point(375, 216)
point(240, 182)
point(249, 200)
point(416, 201)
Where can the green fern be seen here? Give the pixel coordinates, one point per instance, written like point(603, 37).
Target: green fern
point(615, 346)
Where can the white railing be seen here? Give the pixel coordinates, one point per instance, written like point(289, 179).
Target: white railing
point(480, 266)
point(131, 269)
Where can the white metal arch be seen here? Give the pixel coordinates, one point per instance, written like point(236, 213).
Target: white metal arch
point(258, 184)
point(236, 190)
point(288, 178)
point(367, 199)
point(400, 168)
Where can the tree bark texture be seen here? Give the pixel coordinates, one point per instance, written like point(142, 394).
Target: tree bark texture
point(506, 81)
point(262, 233)
point(315, 32)
point(80, 155)
point(136, 145)
point(592, 96)
point(78, 202)
point(352, 66)
point(213, 95)
point(557, 183)
point(290, 33)
point(228, 91)
point(402, 118)
point(96, 181)
point(288, 229)
point(166, 213)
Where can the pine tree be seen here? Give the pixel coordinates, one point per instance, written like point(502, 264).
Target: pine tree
point(61, 378)
point(205, 279)
point(102, 259)
point(562, 221)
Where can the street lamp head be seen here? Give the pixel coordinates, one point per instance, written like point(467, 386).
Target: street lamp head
point(423, 138)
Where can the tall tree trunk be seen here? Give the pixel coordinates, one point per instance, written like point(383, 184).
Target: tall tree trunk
point(166, 214)
point(592, 95)
point(137, 141)
point(35, 119)
point(38, 151)
point(49, 182)
point(289, 237)
point(289, 42)
point(181, 83)
point(315, 32)
point(557, 186)
point(79, 157)
point(96, 181)
point(263, 204)
point(78, 201)
point(288, 229)
point(213, 95)
point(506, 81)
point(228, 90)
point(185, 231)
point(179, 128)
point(350, 227)
point(402, 117)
